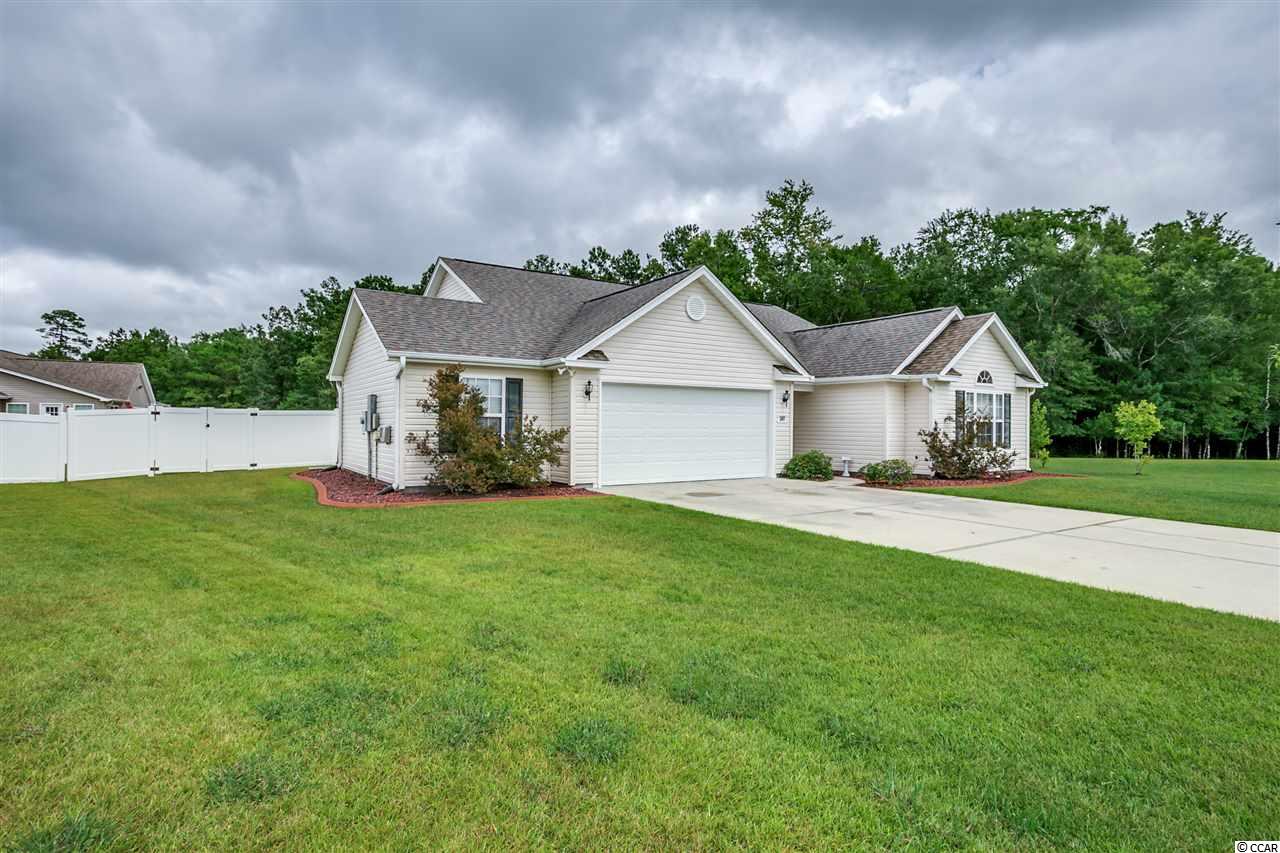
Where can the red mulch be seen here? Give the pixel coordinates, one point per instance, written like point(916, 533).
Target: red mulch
point(337, 487)
point(935, 483)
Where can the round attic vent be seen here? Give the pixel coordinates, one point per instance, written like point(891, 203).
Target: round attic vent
point(695, 307)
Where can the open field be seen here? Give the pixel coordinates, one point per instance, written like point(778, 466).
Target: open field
point(1230, 492)
point(213, 660)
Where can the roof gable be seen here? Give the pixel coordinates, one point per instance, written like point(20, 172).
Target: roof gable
point(666, 288)
point(872, 347)
point(938, 355)
point(447, 284)
point(941, 356)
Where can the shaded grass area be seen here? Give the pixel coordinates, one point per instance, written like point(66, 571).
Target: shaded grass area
point(587, 674)
point(1229, 492)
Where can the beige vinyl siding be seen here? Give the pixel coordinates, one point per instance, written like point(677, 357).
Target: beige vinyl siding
point(368, 371)
point(586, 426)
point(665, 346)
point(537, 402)
point(895, 414)
point(37, 394)
point(452, 287)
point(784, 421)
point(986, 353)
point(560, 395)
point(918, 416)
point(843, 420)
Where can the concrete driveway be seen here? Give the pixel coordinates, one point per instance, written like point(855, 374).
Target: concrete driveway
point(1221, 568)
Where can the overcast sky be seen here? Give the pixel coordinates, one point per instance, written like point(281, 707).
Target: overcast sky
point(187, 165)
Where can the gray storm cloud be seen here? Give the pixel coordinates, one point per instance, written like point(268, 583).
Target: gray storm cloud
point(187, 166)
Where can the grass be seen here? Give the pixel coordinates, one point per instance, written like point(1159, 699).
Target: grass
point(1229, 492)
point(620, 675)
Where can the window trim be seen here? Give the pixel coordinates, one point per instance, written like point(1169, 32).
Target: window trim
point(502, 398)
point(988, 380)
point(9, 408)
point(45, 406)
point(83, 407)
point(1001, 416)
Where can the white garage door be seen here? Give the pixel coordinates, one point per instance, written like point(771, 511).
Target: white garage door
point(659, 434)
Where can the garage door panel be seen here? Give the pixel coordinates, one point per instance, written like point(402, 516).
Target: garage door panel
point(665, 433)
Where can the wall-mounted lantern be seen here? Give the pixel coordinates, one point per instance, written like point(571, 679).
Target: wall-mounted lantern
point(586, 389)
point(786, 397)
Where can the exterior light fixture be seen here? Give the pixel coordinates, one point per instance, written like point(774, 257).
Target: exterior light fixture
point(786, 397)
point(586, 389)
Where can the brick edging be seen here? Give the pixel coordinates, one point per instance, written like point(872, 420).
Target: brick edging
point(322, 497)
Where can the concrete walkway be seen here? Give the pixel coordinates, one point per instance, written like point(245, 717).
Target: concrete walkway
point(1203, 565)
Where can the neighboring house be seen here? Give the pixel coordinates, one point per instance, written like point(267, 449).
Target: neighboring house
point(673, 379)
point(46, 386)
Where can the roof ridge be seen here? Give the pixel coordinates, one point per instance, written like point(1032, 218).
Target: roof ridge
point(537, 272)
point(876, 319)
point(630, 287)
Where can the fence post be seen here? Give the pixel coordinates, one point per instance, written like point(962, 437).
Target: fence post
point(64, 442)
point(205, 443)
point(253, 438)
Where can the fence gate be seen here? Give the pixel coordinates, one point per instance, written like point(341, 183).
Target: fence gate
point(182, 440)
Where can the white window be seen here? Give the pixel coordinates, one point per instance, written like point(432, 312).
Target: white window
point(53, 409)
point(82, 407)
point(18, 408)
point(493, 401)
point(984, 377)
point(993, 409)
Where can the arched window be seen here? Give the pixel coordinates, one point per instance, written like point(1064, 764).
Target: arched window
point(984, 378)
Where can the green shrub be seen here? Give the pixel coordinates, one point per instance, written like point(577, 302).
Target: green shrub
point(966, 455)
point(468, 457)
point(810, 465)
point(1040, 435)
point(894, 472)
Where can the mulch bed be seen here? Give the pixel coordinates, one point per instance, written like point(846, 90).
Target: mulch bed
point(337, 487)
point(934, 483)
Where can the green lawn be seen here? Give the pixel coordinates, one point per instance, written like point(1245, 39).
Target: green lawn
point(213, 660)
point(1235, 493)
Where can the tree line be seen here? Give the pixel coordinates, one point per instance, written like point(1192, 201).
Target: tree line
point(1185, 314)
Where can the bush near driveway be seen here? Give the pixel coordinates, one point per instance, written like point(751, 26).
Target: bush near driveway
point(800, 691)
point(810, 465)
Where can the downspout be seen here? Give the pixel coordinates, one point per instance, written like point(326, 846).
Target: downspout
point(337, 386)
point(395, 437)
point(396, 441)
point(924, 380)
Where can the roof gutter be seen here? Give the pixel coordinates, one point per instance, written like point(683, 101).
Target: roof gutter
point(880, 377)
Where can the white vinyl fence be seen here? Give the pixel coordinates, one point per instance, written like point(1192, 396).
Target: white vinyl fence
point(90, 445)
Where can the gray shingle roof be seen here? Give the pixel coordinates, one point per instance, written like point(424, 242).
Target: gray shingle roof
point(944, 347)
point(114, 380)
point(523, 314)
point(538, 316)
point(863, 348)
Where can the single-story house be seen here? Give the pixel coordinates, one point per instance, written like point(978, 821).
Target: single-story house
point(48, 386)
point(673, 379)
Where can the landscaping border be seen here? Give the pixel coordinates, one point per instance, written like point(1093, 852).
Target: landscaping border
point(322, 497)
point(926, 483)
